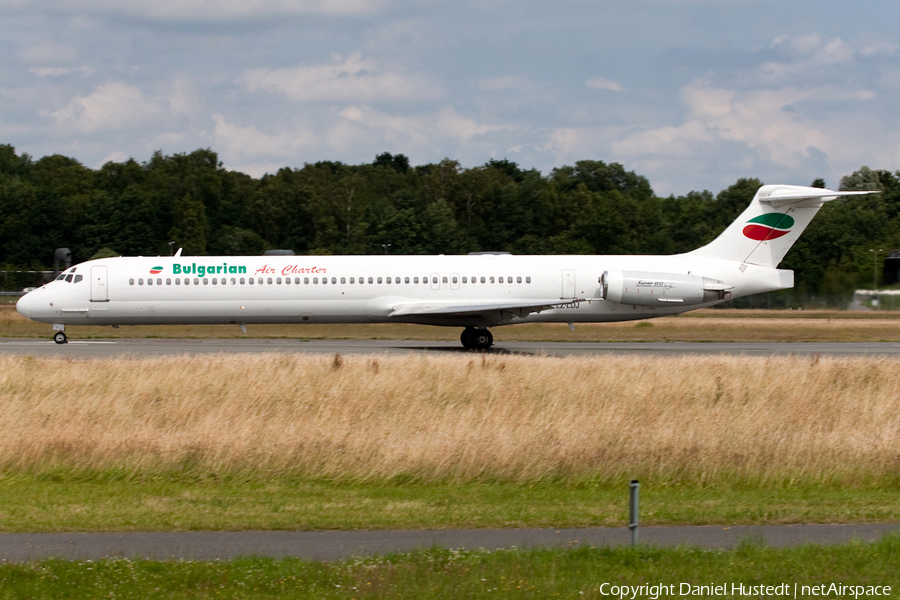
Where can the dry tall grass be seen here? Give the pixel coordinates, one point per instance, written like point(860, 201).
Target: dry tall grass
point(690, 419)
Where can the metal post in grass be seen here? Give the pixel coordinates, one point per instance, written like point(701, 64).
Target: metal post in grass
point(633, 511)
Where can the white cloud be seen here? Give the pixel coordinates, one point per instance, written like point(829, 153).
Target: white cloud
point(600, 83)
point(759, 119)
point(110, 106)
point(242, 142)
point(806, 55)
point(422, 129)
point(350, 79)
point(85, 70)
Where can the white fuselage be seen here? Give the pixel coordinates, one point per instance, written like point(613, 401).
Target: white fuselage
point(366, 289)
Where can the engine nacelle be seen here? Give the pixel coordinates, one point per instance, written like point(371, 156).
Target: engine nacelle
point(659, 289)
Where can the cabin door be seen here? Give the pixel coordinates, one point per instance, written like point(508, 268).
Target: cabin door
point(98, 285)
point(568, 283)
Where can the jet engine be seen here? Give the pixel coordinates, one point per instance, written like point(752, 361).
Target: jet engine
point(660, 289)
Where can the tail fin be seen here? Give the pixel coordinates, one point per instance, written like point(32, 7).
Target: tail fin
point(768, 228)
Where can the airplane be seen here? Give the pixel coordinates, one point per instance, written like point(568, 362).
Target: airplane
point(475, 292)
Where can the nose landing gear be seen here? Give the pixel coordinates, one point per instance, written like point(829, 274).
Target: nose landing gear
point(476, 339)
point(60, 338)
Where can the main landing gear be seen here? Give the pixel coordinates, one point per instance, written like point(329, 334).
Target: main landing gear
point(476, 339)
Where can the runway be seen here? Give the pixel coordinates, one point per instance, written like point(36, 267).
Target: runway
point(337, 545)
point(145, 348)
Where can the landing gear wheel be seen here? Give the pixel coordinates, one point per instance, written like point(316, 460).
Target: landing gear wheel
point(466, 338)
point(60, 338)
point(482, 339)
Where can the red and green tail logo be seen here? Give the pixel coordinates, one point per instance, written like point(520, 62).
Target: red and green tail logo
point(769, 226)
point(156, 270)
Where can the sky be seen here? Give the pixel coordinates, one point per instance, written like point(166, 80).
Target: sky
point(692, 94)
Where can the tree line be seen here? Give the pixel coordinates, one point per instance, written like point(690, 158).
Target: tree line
point(190, 201)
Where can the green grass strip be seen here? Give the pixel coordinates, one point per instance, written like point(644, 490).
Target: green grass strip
point(30, 504)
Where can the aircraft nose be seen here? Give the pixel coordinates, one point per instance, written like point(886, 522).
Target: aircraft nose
point(23, 306)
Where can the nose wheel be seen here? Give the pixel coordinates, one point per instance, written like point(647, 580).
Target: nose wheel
point(60, 338)
point(476, 339)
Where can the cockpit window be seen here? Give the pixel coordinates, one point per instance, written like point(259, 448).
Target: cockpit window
point(69, 278)
point(78, 278)
point(61, 277)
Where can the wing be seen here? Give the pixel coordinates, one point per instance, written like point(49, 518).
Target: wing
point(520, 308)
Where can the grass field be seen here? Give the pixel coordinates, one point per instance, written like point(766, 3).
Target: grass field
point(702, 325)
point(437, 573)
point(273, 441)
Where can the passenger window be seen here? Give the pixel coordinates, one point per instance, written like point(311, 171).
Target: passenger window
point(131, 281)
point(343, 280)
point(465, 280)
point(140, 281)
point(352, 280)
point(205, 281)
point(518, 280)
point(415, 280)
point(379, 280)
point(406, 280)
point(215, 281)
point(388, 280)
point(296, 281)
point(233, 281)
point(324, 280)
point(149, 280)
point(370, 280)
point(269, 281)
point(454, 279)
point(168, 281)
point(306, 280)
point(334, 280)
point(315, 280)
point(492, 280)
point(444, 279)
point(482, 279)
point(250, 280)
point(287, 280)
point(278, 280)
point(186, 281)
point(528, 280)
point(434, 280)
point(159, 281)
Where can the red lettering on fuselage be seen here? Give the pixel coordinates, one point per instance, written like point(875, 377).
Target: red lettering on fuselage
point(297, 269)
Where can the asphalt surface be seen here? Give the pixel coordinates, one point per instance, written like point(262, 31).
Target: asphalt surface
point(335, 545)
point(167, 347)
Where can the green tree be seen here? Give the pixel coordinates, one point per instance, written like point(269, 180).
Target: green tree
point(189, 230)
